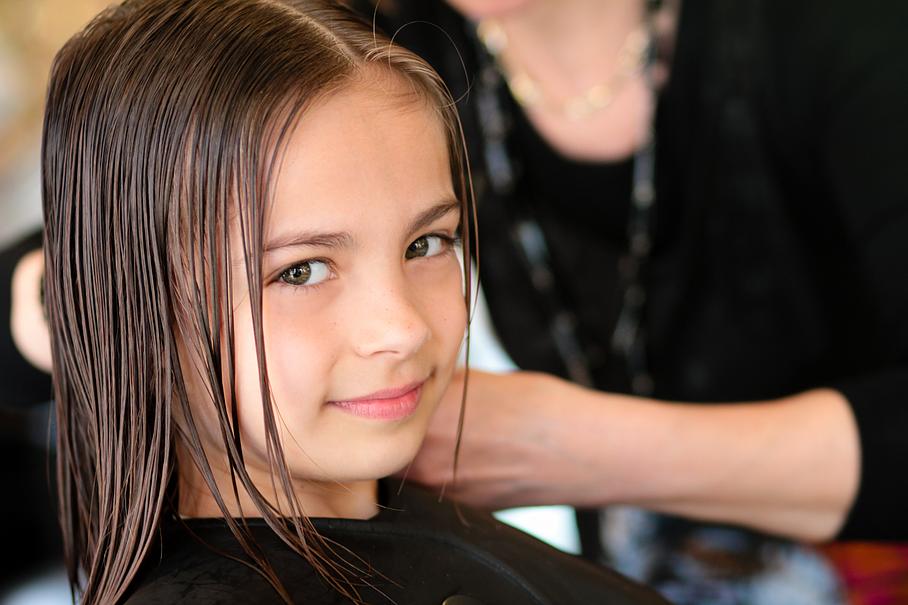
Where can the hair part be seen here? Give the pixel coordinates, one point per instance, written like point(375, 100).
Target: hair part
point(165, 120)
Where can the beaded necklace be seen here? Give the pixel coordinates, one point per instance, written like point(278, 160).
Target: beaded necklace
point(628, 338)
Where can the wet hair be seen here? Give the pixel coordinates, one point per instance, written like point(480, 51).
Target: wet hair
point(165, 122)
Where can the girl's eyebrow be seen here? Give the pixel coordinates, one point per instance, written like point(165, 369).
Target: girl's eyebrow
point(429, 216)
point(342, 239)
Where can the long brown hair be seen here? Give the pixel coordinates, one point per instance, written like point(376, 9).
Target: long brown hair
point(165, 120)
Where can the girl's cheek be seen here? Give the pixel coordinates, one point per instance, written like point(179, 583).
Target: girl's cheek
point(445, 302)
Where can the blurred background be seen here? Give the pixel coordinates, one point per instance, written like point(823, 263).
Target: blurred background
point(31, 31)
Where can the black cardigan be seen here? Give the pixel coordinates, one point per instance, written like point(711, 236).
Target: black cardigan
point(418, 549)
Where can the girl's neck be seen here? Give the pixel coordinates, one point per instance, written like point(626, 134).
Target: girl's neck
point(349, 500)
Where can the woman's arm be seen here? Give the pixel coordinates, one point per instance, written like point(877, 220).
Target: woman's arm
point(788, 467)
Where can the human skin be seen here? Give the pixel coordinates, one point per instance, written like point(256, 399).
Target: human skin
point(478, 9)
point(566, 47)
point(27, 323)
point(788, 467)
point(365, 175)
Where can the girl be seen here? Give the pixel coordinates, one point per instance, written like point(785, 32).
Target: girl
point(252, 209)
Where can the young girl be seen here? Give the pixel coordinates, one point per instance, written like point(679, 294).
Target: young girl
point(252, 209)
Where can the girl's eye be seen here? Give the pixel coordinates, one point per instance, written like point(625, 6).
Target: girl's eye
point(308, 273)
point(427, 245)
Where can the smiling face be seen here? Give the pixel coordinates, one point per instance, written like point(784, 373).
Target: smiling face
point(363, 308)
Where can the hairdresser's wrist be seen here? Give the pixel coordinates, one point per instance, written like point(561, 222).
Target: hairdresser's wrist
point(586, 443)
point(597, 442)
point(787, 467)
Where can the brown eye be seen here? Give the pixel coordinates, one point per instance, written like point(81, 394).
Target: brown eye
point(307, 273)
point(418, 248)
point(427, 245)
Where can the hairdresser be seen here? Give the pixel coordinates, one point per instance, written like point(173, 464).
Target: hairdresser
point(694, 237)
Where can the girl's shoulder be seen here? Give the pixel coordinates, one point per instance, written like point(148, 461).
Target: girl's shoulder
point(416, 551)
point(200, 561)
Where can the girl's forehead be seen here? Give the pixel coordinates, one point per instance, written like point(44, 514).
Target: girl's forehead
point(360, 135)
point(366, 150)
point(369, 86)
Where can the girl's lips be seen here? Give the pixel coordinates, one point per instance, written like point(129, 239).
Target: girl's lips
point(388, 404)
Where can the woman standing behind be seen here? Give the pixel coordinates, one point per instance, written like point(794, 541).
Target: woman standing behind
point(740, 242)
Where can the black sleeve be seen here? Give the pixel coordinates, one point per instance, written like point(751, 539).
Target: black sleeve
point(864, 159)
point(881, 411)
point(22, 383)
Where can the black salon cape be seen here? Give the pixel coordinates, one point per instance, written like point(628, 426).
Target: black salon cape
point(425, 553)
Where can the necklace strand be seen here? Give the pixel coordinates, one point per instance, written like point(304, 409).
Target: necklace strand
point(628, 339)
point(632, 59)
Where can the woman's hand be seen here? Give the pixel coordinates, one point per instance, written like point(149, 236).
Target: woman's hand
point(513, 449)
point(788, 466)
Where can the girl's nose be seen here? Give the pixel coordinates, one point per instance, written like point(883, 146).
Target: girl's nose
point(388, 322)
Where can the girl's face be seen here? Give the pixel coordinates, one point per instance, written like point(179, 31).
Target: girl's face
point(363, 308)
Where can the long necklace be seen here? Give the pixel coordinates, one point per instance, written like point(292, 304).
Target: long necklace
point(526, 90)
point(628, 339)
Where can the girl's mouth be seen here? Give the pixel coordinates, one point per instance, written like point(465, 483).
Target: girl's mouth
point(387, 404)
